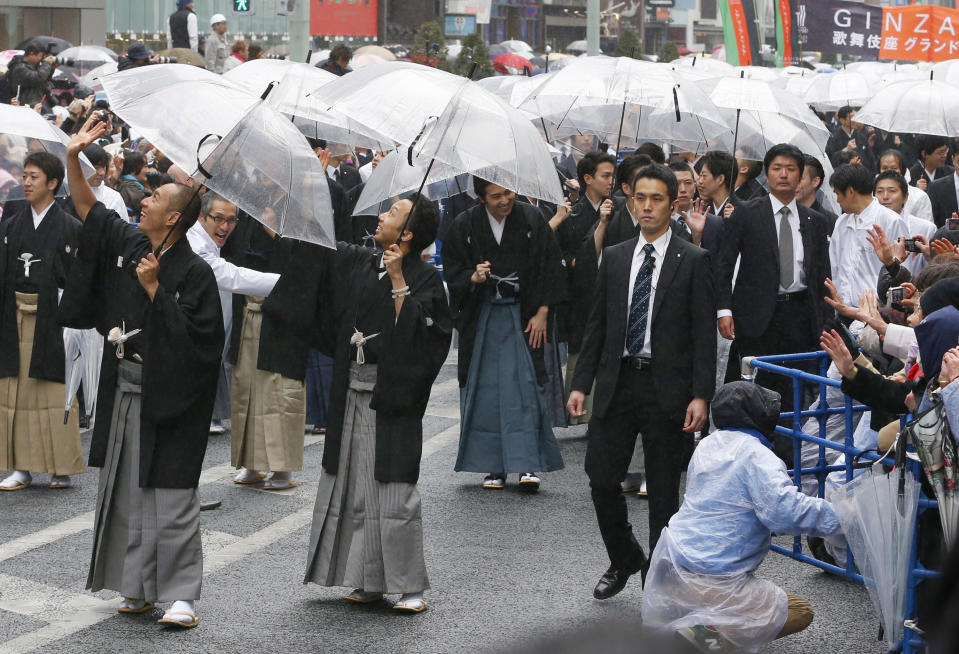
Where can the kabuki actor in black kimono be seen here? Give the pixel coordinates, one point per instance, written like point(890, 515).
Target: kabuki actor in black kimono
point(162, 319)
point(384, 319)
point(37, 247)
point(505, 275)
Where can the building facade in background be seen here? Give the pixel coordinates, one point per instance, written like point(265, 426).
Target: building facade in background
point(77, 21)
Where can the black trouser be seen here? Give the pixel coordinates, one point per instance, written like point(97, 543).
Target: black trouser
point(789, 332)
point(609, 450)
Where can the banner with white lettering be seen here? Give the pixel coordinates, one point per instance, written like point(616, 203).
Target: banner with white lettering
point(920, 33)
point(840, 27)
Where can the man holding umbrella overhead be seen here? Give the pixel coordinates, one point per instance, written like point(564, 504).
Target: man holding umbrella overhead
point(157, 304)
point(37, 248)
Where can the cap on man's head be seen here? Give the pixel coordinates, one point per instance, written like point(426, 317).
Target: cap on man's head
point(217, 18)
point(183, 3)
point(138, 51)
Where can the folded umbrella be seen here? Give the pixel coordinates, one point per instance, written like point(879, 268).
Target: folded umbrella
point(241, 146)
point(877, 513)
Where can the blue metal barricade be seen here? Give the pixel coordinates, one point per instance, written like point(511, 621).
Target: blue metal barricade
point(912, 641)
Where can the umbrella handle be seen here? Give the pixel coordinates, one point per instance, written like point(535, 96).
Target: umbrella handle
point(409, 151)
point(199, 164)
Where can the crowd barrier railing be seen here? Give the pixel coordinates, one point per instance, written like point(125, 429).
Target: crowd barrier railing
point(853, 458)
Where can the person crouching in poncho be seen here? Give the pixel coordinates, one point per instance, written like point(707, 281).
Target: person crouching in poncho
point(701, 582)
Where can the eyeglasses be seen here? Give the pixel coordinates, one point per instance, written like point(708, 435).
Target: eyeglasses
point(223, 220)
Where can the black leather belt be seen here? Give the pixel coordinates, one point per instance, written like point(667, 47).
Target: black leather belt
point(638, 363)
point(792, 297)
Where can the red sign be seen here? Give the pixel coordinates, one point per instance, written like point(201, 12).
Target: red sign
point(343, 18)
point(919, 33)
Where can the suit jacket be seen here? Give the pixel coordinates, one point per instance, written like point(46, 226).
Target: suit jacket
point(749, 190)
point(750, 234)
point(918, 171)
point(348, 176)
point(683, 336)
point(942, 195)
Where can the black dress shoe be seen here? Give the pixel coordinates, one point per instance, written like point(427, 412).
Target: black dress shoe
point(611, 583)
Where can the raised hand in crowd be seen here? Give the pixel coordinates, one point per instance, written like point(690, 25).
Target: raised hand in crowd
point(950, 367)
point(942, 246)
point(728, 210)
point(833, 344)
point(563, 212)
point(605, 209)
point(883, 249)
point(696, 220)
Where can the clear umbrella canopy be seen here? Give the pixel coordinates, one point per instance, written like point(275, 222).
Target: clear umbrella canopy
point(394, 178)
point(925, 106)
point(947, 71)
point(706, 65)
point(291, 97)
point(92, 79)
point(440, 116)
point(22, 131)
point(245, 150)
point(831, 91)
point(623, 100)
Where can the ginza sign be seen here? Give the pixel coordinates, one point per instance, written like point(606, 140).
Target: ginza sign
point(919, 33)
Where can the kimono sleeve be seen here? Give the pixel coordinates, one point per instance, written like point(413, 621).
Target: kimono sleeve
point(106, 244)
point(458, 265)
point(415, 349)
point(185, 328)
point(551, 277)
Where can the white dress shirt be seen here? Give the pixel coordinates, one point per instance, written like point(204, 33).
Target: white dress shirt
point(38, 217)
point(799, 269)
point(111, 199)
point(659, 251)
point(918, 204)
point(497, 226)
point(230, 279)
point(855, 266)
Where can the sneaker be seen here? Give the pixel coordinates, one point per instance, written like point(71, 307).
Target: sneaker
point(216, 429)
point(706, 639)
point(494, 481)
point(529, 482)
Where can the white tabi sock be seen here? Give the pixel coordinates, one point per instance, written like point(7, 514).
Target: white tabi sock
point(183, 606)
point(18, 477)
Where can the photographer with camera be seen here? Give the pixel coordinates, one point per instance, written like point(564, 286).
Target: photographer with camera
point(29, 75)
point(137, 55)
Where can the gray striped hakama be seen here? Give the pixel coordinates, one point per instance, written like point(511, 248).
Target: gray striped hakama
point(146, 541)
point(366, 534)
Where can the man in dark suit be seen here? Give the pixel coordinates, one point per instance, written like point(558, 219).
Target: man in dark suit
point(851, 136)
point(933, 152)
point(807, 194)
point(777, 306)
point(942, 193)
point(701, 227)
point(747, 186)
point(653, 359)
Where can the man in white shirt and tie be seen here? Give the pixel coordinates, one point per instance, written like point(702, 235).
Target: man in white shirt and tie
point(855, 266)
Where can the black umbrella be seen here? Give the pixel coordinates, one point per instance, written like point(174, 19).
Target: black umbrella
point(49, 44)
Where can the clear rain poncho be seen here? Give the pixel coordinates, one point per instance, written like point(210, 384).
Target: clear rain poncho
point(737, 492)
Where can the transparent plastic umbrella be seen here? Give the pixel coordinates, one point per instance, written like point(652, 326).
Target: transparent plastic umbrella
point(291, 97)
point(29, 132)
point(932, 437)
point(92, 79)
point(394, 178)
point(623, 100)
point(234, 142)
point(829, 92)
point(878, 519)
point(449, 119)
point(925, 106)
point(84, 349)
point(947, 71)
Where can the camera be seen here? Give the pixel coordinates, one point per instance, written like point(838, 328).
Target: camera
point(896, 295)
point(276, 56)
point(911, 245)
point(953, 224)
point(164, 60)
point(64, 61)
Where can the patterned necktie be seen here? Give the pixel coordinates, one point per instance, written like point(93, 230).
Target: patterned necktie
point(786, 274)
point(639, 306)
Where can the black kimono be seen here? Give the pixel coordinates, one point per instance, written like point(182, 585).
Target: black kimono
point(580, 278)
point(528, 248)
point(179, 347)
point(53, 247)
point(326, 296)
